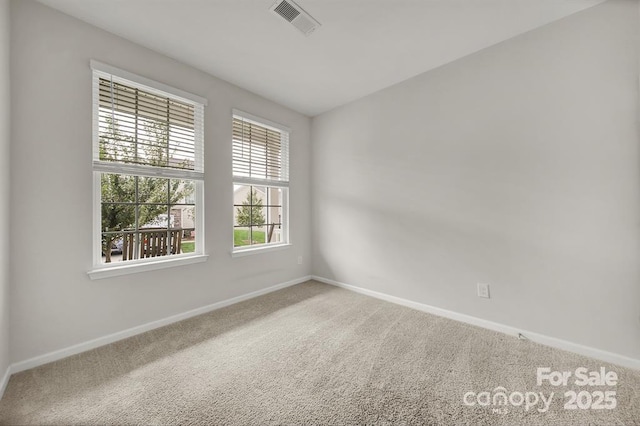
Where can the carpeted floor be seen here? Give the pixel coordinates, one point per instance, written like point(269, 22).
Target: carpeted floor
point(313, 354)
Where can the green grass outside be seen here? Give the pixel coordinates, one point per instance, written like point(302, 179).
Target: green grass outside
point(241, 237)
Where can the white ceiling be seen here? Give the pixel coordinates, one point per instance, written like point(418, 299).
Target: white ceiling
point(362, 46)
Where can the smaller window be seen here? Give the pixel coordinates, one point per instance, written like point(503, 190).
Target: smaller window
point(260, 182)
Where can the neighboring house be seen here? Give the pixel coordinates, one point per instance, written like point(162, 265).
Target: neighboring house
point(183, 216)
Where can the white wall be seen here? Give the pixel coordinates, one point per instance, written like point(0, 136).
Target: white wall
point(516, 166)
point(4, 185)
point(54, 304)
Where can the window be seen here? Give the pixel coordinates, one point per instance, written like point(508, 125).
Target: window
point(148, 170)
point(260, 182)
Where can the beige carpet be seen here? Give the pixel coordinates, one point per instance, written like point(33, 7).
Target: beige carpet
point(308, 354)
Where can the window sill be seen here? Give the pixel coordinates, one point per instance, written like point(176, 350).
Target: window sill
point(114, 271)
point(258, 250)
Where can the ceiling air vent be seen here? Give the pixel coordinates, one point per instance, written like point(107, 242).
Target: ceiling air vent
point(295, 15)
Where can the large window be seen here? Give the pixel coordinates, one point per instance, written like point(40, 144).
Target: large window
point(148, 170)
point(260, 182)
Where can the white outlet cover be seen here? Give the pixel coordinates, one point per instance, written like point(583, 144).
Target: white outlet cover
point(483, 290)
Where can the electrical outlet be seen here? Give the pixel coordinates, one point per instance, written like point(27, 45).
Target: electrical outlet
point(299, 260)
point(483, 290)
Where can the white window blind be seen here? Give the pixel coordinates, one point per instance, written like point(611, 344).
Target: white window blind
point(145, 131)
point(260, 151)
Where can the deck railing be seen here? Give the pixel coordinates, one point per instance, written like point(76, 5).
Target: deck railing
point(148, 242)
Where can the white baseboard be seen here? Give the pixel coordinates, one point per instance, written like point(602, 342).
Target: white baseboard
point(553, 342)
point(105, 340)
point(5, 381)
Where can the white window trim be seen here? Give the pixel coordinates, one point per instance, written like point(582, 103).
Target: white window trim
point(146, 83)
point(262, 248)
point(101, 270)
point(260, 121)
point(133, 266)
point(258, 248)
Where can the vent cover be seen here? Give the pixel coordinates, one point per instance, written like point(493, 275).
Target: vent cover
point(295, 15)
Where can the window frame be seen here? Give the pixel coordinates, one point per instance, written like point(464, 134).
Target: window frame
point(104, 270)
point(284, 185)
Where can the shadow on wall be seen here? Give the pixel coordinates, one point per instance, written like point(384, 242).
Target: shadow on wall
point(434, 253)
